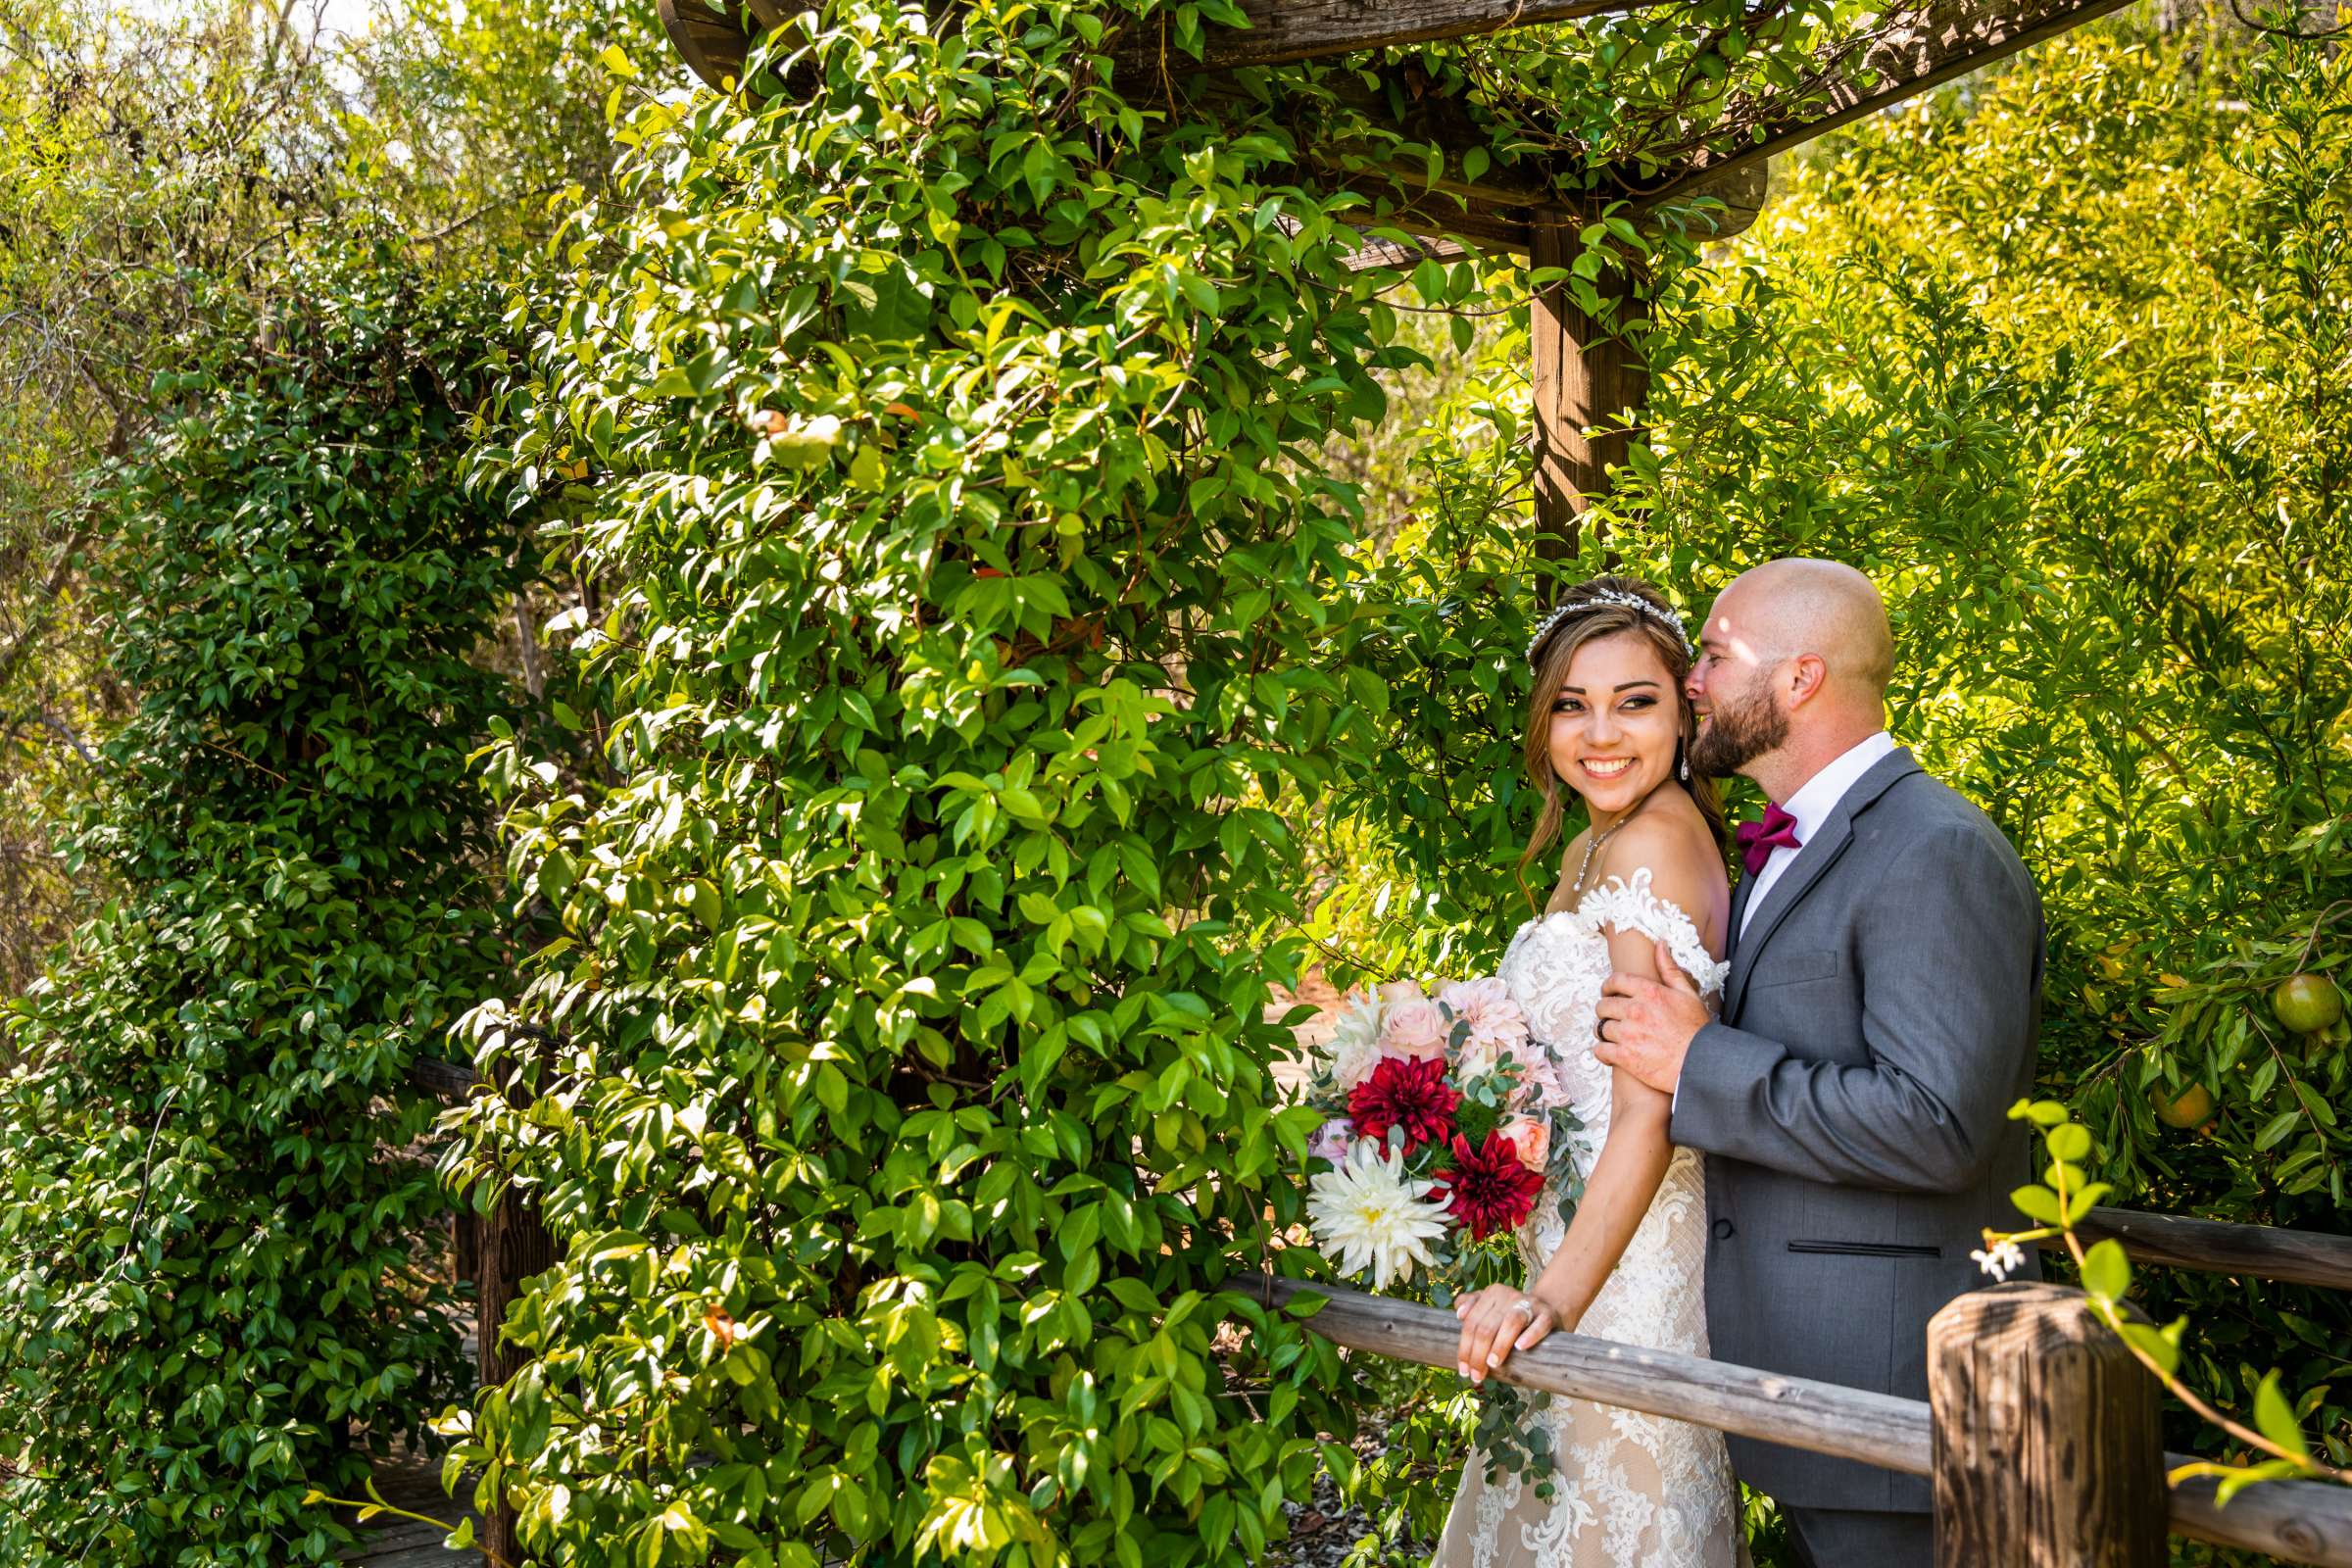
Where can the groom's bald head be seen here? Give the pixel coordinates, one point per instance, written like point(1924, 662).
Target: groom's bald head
point(1793, 663)
point(1798, 605)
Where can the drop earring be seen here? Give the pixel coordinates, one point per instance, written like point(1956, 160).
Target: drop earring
point(1683, 763)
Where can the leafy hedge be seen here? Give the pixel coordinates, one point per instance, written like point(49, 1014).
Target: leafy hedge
point(215, 1292)
point(907, 1107)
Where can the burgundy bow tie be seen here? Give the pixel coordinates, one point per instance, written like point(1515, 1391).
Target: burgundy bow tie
point(1757, 839)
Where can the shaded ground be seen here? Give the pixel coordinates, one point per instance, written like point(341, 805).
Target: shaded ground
point(413, 1482)
point(1323, 1531)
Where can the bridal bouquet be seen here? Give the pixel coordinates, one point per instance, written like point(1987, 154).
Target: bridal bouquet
point(1443, 1121)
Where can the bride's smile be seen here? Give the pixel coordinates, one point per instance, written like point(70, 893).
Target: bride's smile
point(1614, 725)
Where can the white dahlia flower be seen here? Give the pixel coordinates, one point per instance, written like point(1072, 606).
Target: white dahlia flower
point(1369, 1214)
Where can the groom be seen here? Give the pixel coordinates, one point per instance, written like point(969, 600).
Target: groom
point(1878, 1023)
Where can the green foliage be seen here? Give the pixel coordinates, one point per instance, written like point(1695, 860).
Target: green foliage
point(2082, 416)
point(2062, 1201)
point(218, 138)
point(214, 1289)
point(908, 1108)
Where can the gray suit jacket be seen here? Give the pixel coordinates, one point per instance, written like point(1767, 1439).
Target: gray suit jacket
point(1852, 1102)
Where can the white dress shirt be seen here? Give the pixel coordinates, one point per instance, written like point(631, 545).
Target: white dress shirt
point(1812, 806)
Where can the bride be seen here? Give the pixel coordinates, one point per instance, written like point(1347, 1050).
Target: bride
point(1610, 719)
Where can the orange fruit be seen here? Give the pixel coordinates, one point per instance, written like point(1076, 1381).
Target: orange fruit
point(2191, 1107)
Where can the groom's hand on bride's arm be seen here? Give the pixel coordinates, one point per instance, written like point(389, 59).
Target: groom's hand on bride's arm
point(1645, 1026)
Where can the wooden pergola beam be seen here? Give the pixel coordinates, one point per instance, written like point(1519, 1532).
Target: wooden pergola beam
point(1443, 214)
point(1955, 38)
point(1498, 208)
point(1284, 30)
point(712, 35)
point(1493, 211)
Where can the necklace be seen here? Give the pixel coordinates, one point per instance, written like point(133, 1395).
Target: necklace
point(1602, 836)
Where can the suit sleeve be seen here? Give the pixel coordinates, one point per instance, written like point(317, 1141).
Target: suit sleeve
point(1949, 949)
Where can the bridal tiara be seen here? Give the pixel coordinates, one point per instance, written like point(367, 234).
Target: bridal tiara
point(1609, 596)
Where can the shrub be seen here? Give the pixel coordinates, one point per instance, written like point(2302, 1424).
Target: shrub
point(215, 1292)
point(901, 1070)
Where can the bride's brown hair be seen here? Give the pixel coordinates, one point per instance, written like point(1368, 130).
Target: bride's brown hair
point(1551, 657)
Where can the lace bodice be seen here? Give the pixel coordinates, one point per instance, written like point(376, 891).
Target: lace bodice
point(1631, 1487)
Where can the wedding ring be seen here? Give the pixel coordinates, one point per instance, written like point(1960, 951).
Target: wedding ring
point(1525, 1306)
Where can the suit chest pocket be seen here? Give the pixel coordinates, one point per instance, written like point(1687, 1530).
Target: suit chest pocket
point(1787, 968)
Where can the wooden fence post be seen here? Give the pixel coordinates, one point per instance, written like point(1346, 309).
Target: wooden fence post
point(514, 1245)
point(2048, 1453)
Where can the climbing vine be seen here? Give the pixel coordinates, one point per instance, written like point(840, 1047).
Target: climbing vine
point(217, 1289)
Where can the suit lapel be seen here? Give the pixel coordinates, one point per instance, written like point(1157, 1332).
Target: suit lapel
point(1747, 885)
point(1813, 861)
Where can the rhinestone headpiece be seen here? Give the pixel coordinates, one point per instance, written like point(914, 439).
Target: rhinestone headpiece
point(1609, 596)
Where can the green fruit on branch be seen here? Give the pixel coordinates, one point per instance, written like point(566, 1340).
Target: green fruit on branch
point(2308, 1002)
point(2191, 1107)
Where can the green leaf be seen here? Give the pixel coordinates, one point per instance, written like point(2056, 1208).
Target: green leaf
point(2070, 1140)
point(2038, 1203)
point(2106, 1271)
point(2160, 1345)
point(2275, 1419)
point(885, 307)
point(2277, 1128)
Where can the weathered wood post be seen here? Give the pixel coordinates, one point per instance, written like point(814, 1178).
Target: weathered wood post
point(2048, 1452)
point(1586, 377)
point(514, 1245)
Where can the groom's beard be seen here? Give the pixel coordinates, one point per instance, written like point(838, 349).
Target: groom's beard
point(1738, 732)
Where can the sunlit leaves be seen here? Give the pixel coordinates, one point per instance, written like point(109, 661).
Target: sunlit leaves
point(910, 1006)
point(216, 1246)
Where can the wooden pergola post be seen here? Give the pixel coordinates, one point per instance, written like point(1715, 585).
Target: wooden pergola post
point(1586, 379)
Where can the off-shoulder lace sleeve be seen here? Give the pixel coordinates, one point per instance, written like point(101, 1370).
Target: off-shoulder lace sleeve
point(1626, 903)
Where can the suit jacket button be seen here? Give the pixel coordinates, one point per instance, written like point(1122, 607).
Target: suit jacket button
point(1725, 1230)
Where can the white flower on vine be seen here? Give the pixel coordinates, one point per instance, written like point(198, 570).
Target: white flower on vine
point(1368, 1214)
point(2005, 1259)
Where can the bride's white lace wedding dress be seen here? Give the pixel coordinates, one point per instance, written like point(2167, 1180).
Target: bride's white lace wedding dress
point(1632, 1489)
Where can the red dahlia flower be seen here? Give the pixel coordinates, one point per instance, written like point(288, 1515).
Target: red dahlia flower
point(1489, 1188)
point(1407, 1092)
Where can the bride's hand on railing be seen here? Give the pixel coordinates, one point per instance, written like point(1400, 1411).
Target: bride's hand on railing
point(1496, 1321)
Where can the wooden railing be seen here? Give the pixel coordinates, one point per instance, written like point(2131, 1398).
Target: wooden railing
point(2040, 1434)
point(2302, 1521)
point(2041, 1331)
point(2213, 1246)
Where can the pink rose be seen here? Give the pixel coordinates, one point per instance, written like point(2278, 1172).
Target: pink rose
point(1531, 1137)
point(1413, 1027)
point(1332, 1140)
